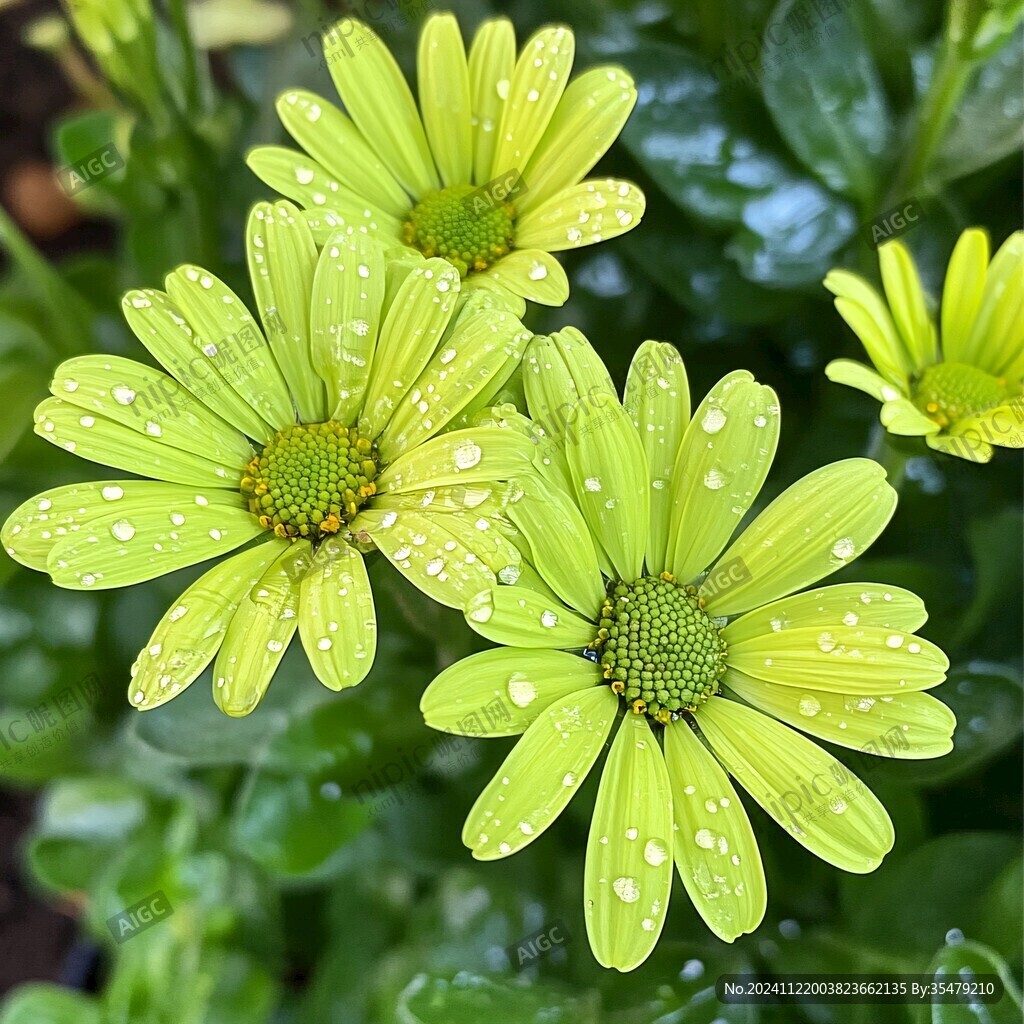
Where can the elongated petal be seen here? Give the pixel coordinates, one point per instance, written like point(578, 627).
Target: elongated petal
point(140, 540)
point(814, 797)
point(961, 294)
point(199, 364)
point(220, 317)
point(259, 633)
point(722, 463)
point(424, 549)
point(445, 103)
point(586, 122)
point(996, 342)
point(592, 211)
point(509, 686)
point(349, 215)
point(628, 877)
point(609, 474)
point(857, 375)
point(150, 403)
point(901, 416)
point(866, 658)
point(813, 528)
point(282, 261)
point(378, 99)
point(330, 137)
point(560, 545)
point(519, 617)
point(716, 853)
point(846, 604)
point(903, 725)
point(473, 455)
point(1003, 425)
point(414, 325)
point(967, 446)
point(906, 300)
point(337, 622)
point(538, 81)
point(115, 444)
point(869, 318)
point(345, 319)
point(492, 59)
point(532, 273)
point(541, 774)
point(190, 633)
point(481, 347)
point(657, 400)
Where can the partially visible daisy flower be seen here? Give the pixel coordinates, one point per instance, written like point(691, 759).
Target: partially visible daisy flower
point(487, 172)
point(961, 387)
point(700, 674)
point(337, 432)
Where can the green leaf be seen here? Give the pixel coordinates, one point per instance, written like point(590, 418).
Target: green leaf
point(829, 103)
point(41, 1003)
point(960, 960)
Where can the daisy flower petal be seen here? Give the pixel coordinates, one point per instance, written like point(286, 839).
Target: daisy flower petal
point(378, 99)
point(150, 533)
point(857, 375)
point(1001, 426)
point(813, 528)
point(838, 818)
point(609, 474)
point(421, 309)
point(722, 463)
point(905, 296)
point(971, 448)
point(901, 416)
point(116, 444)
point(492, 59)
point(657, 399)
point(526, 682)
point(628, 877)
point(345, 318)
point(190, 633)
point(592, 211)
point(961, 294)
point(194, 361)
point(903, 725)
point(586, 122)
point(845, 604)
point(220, 317)
point(337, 621)
point(259, 633)
point(519, 617)
point(716, 853)
point(538, 81)
point(541, 774)
point(532, 273)
point(989, 345)
point(330, 137)
point(282, 261)
point(445, 101)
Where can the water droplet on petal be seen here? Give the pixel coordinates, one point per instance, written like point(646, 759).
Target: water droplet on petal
point(626, 888)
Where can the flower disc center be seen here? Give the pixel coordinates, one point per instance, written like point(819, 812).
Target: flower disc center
point(463, 225)
point(310, 479)
point(658, 647)
point(948, 392)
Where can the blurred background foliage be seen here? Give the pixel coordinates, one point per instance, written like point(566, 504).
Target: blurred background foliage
point(314, 869)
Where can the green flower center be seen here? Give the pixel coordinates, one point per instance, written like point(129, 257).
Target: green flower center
point(948, 392)
point(310, 479)
point(659, 648)
point(463, 225)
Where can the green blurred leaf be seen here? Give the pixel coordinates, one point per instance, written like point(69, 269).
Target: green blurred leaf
point(41, 1003)
point(828, 102)
point(962, 960)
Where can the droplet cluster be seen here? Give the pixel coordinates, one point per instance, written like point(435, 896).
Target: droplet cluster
point(660, 650)
point(949, 392)
point(310, 479)
point(463, 225)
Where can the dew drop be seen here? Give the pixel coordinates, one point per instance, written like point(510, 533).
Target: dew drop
point(122, 530)
point(626, 888)
point(521, 691)
point(809, 706)
point(655, 852)
point(714, 420)
point(844, 548)
point(123, 395)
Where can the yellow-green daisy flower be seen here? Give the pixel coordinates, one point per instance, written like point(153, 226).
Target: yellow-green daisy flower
point(701, 674)
point(340, 430)
point(961, 388)
point(486, 172)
